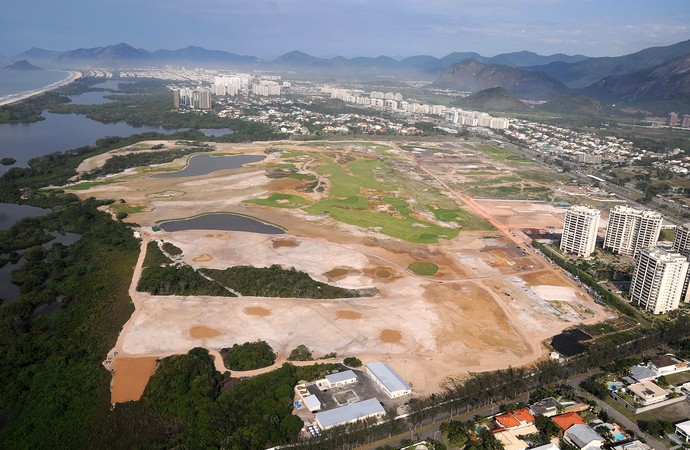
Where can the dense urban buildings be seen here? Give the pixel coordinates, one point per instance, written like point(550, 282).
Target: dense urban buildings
point(631, 230)
point(657, 283)
point(580, 231)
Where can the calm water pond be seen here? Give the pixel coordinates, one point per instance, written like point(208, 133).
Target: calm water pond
point(11, 213)
point(225, 222)
point(205, 164)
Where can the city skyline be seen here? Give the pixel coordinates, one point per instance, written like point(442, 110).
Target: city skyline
point(350, 28)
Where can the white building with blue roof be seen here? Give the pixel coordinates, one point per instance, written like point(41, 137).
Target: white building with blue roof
point(388, 379)
point(341, 378)
point(351, 413)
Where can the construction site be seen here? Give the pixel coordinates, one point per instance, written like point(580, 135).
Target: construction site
point(457, 288)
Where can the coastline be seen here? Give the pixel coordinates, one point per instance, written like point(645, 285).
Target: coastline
point(73, 75)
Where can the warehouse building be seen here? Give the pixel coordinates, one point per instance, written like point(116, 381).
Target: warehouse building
point(351, 413)
point(388, 379)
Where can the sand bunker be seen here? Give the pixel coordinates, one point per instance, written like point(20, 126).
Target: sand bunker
point(383, 273)
point(130, 378)
point(336, 273)
point(203, 258)
point(350, 315)
point(285, 243)
point(201, 332)
point(391, 336)
point(257, 311)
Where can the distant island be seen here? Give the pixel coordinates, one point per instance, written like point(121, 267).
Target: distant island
point(22, 65)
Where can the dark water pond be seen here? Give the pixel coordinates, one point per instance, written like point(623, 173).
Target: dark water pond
point(225, 222)
point(205, 164)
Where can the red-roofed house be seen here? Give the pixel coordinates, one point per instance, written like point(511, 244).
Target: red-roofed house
point(567, 420)
point(517, 419)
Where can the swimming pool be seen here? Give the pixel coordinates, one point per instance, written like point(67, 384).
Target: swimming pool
point(619, 437)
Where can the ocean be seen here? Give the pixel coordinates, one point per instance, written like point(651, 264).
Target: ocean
point(15, 82)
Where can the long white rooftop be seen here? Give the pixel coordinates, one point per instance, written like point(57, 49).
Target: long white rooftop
point(347, 413)
point(341, 376)
point(388, 377)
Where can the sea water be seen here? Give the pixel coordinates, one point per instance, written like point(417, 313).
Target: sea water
point(16, 82)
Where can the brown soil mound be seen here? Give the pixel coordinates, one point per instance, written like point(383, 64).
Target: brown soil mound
point(383, 273)
point(200, 332)
point(257, 311)
point(346, 314)
point(130, 378)
point(203, 258)
point(391, 336)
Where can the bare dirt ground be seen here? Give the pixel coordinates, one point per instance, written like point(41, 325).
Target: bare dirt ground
point(491, 304)
point(131, 377)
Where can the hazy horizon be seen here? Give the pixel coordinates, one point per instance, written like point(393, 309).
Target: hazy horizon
point(267, 28)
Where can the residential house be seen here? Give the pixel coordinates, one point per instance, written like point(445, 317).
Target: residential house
point(583, 437)
point(546, 407)
point(647, 393)
point(567, 420)
point(519, 418)
point(683, 430)
point(642, 373)
point(634, 445)
point(667, 364)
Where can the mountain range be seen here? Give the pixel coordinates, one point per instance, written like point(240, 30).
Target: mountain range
point(650, 76)
point(124, 55)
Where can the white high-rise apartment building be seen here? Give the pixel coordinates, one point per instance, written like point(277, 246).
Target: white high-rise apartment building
point(580, 230)
point(631, 230)
point(657, 283)
point(681, 243)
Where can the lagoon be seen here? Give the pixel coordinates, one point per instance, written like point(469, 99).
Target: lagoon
point(205, 164)
point(222, 221)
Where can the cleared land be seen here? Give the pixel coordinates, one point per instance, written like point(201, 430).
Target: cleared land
point(358, 215)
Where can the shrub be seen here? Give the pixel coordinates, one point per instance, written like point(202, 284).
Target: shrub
point(352, 361)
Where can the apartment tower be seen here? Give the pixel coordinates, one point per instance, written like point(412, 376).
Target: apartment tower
point(657, 283)
point(580, 230)
point(631, 230)
point(681, 244)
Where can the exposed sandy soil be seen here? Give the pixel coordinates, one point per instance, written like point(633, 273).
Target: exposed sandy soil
point(131, 377)
point(490, 305)
point(522, 214)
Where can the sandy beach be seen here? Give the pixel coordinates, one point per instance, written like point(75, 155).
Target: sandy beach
point(73, 75)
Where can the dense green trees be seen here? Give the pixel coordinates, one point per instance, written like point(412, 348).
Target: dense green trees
point(301, 353)
point(53, 384)
point(161, 277)
point(351, 361)
point(275, 281)
point(248, 356)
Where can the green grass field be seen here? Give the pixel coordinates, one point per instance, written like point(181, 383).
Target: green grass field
point(125, 208)
point(280, 201)
point(423, 268)
point(465, 219)
point(88, 185)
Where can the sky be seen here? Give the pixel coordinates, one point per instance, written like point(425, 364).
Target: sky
point(326, 28)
